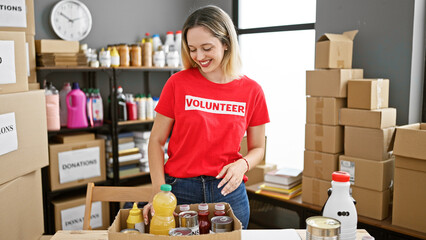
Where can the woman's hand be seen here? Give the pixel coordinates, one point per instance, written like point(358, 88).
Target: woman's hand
point(146, 209)
point(233, 176)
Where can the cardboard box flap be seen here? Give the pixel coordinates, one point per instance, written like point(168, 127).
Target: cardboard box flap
point(410, 141)
point(351, 34)
point(334, 38)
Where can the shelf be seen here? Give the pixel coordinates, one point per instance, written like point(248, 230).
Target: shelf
point(90, 69)
point(67, 130)
point(131, 122)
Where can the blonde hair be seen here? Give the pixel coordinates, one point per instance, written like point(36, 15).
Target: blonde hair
point(222, 27)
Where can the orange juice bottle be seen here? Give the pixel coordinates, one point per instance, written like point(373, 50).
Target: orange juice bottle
point(164, 204)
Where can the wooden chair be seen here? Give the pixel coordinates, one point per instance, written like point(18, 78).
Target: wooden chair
point(113, 194)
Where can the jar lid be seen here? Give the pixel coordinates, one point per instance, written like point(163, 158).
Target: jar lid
point(219, 206)
point(320, 226)
point(184, 207)
point(203, 207)
point(340, 176)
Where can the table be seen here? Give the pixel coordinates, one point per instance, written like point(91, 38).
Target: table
point(103, 235)
point(378, 229)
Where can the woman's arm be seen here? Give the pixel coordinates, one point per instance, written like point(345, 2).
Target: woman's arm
point(159, 134)
point(233, 173)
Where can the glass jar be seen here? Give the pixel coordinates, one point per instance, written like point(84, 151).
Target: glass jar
point(123, 51)
point(136, 55)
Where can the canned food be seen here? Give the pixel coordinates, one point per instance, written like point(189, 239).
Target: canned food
point(130, 231)
point(322, 228)
point(189, 219)
point(182, 231)
point(222, 224)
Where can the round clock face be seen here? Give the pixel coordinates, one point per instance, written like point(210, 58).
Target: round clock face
point(71, 20)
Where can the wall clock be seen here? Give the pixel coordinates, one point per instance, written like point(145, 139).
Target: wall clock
point(71, 20)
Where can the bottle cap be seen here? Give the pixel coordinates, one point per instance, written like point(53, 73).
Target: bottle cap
point(169, 32)
point(219, 206)
point(203, 207)
point(147, 34)
point(340, 176)
point(179, 31)
point(135, 210)
point(75, 85)
point(166, 188)
point(184, 207)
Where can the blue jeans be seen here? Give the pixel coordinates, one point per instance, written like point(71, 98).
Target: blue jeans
point(203, 189)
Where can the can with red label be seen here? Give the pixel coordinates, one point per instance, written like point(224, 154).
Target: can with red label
point(182, 231)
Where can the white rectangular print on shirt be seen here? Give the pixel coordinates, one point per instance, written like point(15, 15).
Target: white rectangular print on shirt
point(79, 164)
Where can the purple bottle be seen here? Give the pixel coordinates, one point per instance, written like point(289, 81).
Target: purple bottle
point(76, 105)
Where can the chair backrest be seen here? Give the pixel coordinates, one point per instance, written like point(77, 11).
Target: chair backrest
point(113, 194)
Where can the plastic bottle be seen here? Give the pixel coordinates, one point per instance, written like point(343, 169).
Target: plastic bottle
point(219, 209)
point(203, 218)
point(115, 57)
point(135, 220)
point(147, 51)
point(159, 58)
point(178, 45)
point(62, 104)
point(154, 105)
point(340, 205)
point(156, 42)
point(121, 105)
point(164, 204)
point(149, 108)
point(142, 107)
point(170, 41)
point(52, 107)
point(172, 58)
point(76, 105)
point(105, 58)
point(89, 107)
point(97, 108)
point(132, 111)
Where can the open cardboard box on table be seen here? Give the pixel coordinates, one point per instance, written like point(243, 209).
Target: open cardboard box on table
point(120, 224)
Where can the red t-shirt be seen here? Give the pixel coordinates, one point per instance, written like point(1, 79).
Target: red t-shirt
point(210, 121)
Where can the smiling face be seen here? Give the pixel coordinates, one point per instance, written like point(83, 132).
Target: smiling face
point(206, 51)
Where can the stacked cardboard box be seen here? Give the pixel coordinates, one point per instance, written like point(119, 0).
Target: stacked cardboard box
point(409, 207)
point(19, 17)
point(326, 90)
point(55, 53)
point(369, 127)
point(23, 133)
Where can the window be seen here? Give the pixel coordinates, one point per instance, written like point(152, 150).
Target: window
point(277, 40)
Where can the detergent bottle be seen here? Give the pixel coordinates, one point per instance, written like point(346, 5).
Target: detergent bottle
point(76, 105)
point(52, 107)
point(164, 204)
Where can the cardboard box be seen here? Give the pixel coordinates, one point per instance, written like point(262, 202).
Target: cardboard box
point(324, 138)
point(74, 137)
point(315, 191)
point(378, 118)
point(368, 93)
point(368, 143)
point(33, 86)
point(18, 16)
point(324, 110)
point(257, 174)
point(331, 82)
point(23, 147)
point(370, 203)
point(69, 214)
point(410, 141)
point(120, 223)
point(56, 46)
point(31, 59)
point(409, 207)
point(21, 207)
point(14, 62)
point(320, 165)
point(410, 175)
point(335, 50)
point(373, 175)
point(76, 164)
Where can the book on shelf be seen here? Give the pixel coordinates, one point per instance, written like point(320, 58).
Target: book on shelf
point(280, 195)
point(279, 189)
point(284, 176)
point(282, 186)
point(126, 158)
point(122, 146)
point(125, 171)
point(125, 152)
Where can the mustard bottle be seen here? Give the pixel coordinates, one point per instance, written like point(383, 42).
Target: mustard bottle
point(135, 219)
point(115, 57)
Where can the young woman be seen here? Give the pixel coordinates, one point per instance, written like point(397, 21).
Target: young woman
point(209, 106)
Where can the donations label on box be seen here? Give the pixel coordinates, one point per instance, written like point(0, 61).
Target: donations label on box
point(72, 218)
point(13, 13)
point(7, 62)
point(79, 164)
point(8, 135)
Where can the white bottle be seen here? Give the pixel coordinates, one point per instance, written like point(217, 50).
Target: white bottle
point(156, 42)
point(105, 58)
point(142, 107)
point(62, 103)
point(155, 102)
point(340, 206)
point(172, 58)
point(159, 58)
point(170, 41)
point(149, 108)
point(178, 45)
